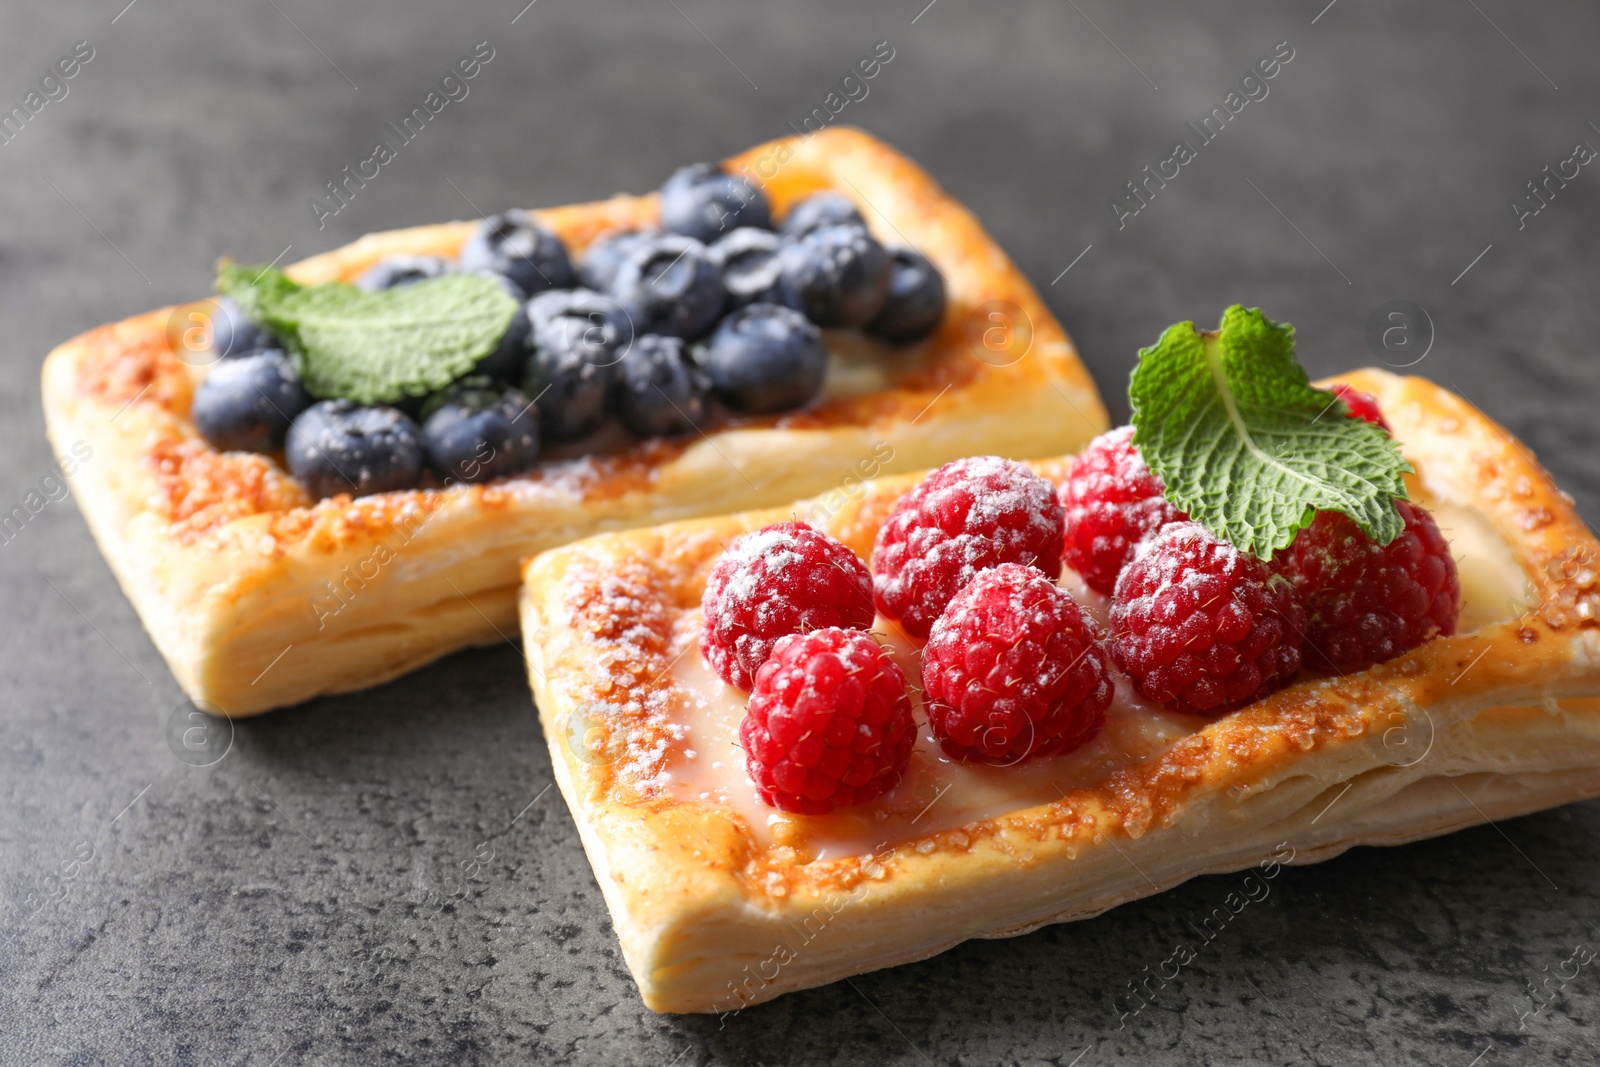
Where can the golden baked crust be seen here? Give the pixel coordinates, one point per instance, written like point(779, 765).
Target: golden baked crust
point(258, 597)
point(714, 912)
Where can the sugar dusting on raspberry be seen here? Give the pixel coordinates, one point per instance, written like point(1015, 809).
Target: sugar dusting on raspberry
point(786, 578)
point(774, 547)
point(829, 724)
point(1202, 627)
point(965, 517)
point(1014, 670)
point(1112, 501)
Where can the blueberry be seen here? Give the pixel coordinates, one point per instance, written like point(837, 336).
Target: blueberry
point(670, 286)
point(597, 269)
point(591, 323)
point(505, 363)
point(232, 334)
point(686, 178)
point(476, 431)
point(766, 358)
point(704, 202)
point(819, 210)
point(513, 244)
point(835, 276)
point(509, 286)
point(403, 270)
point(915, 305)
point(338, 446)
point(658, 390)
point(578, 337)
point(247, 403)
point(748, 259)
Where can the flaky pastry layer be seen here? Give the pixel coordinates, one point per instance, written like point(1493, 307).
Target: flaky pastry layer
point(258, 597)
point(714, 914)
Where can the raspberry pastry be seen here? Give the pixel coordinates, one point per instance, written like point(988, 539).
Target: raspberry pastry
point(1073, 751)
point(328, 477)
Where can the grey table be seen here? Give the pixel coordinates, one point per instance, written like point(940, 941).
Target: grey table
point(265, 910)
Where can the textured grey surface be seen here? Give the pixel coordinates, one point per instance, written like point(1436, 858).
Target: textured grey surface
point(353, 882)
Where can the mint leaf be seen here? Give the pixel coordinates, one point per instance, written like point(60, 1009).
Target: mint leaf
point(251, 286)
point(1247, 446)
point(375, 347)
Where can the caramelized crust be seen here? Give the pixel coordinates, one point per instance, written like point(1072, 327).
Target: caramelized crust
point(259, 597)
point(1484, 724)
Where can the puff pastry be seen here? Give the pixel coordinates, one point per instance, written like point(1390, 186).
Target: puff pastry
point(258, 597)
point(720, 902)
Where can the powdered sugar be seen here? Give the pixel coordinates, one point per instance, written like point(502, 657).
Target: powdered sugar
point(783, 579)
point(774, 548)
point(619, 718)
point(1202, 627)
point(1014, 670)
point(1112, 501)
point(964, 517)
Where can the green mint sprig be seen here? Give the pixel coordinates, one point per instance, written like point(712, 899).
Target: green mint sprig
point(375, 348)
point(1248, 447)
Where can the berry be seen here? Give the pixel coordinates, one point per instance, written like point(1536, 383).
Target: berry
point(1367, 602)
point(748, 260)
point(247, 402)
point(963, 518)
point(403, 270)
point(915, 304)
point(819, 210)
point(670, 286)
point(657, 389)
point(835, 276)
point(598, 268)
point(338, 446)
point(1362, 405)
point(765, 358)
point(705, 202)
point(476, 431)
point(505, 363)
point(787, 578)
point(1112, 501)
point(578, 336)
point(829, 723)
point(1202, 627)
point(513, 244)
point(1014, 669)
point(232, 333)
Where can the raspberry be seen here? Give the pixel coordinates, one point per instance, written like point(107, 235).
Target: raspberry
point(1202, 627)
point(965, 517)
point(783, 579)
point(829, 723)
point(1112, 502)
point(1014, 669)
point(1362, 405)
point(1366, 602)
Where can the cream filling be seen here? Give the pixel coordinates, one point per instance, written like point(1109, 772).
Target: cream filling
point(705, 764)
